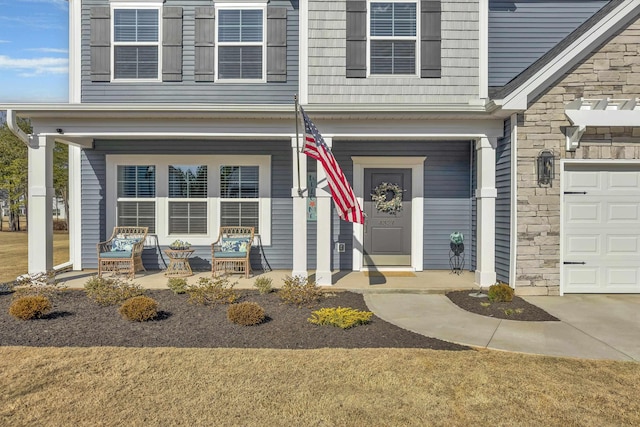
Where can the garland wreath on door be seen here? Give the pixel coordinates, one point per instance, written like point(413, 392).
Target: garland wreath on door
point(379, 196)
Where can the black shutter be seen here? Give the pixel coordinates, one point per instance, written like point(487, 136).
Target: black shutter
point(204, 45)
point(276, 44)
point(100, 44)
point(172, 44)
point(356, 58)
point(431, 39)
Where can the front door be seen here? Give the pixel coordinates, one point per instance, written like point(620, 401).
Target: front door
point(387, 226)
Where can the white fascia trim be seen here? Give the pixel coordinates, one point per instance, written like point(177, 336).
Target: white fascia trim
point(518, 99)
point(75, 51)
point(416, 164)
point(483, 45)
point(603, 117)
point(514, 201)
point(303, 53)
point(213, 200)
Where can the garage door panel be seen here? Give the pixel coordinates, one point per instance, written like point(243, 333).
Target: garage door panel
point(601, 229)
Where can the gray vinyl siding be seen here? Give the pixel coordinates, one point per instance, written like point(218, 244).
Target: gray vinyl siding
point(447, 194)
point(188, 90)
point(503, 204)
point(327, 63)
point(520, 32)
point(278, 255)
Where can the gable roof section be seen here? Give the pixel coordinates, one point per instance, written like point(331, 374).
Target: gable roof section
point(517, 94)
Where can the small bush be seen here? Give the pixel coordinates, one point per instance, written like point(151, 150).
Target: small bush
point(299, 290)
point(342, 317)
point(177, 284)
point(139, 309)
point(30, 307)
point(212, 291)
point(245, 313)
point(500, 292)
point(263, 284)
point(38, 284)
point(111, 291)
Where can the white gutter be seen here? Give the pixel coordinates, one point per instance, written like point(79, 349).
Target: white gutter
point(19, 133)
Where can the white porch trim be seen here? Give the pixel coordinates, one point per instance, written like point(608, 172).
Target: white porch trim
point(40, 213)
point(514, 201)
point(486, 195)
point(74, 218)
point(299, 173)
point(323, 233)
point(416, 164)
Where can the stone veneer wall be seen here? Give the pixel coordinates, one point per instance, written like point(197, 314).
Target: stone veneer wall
point(613, 71)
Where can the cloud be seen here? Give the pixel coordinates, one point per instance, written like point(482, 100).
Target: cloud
point(41, 22)
point(35, 66)
point(60, 4)
point(48, 50)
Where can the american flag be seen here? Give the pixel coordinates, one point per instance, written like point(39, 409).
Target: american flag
point(341, 191)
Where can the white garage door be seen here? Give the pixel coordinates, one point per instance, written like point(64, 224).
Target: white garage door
point(601, 251)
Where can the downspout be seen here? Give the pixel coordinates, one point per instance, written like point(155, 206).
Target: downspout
point(12, 122)
point(514, 201)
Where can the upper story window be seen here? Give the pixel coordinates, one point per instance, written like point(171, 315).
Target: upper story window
point(136, 43)
point(392, 38)
point(240, 44)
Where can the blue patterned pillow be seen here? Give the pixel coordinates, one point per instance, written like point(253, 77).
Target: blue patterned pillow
point(123, 245)
point(234, 245)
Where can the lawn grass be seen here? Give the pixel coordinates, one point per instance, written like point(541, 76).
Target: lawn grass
point(13, 252)
point(167, 386)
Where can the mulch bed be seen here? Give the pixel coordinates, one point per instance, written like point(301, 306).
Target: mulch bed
point(77, 321)
point(518, 309)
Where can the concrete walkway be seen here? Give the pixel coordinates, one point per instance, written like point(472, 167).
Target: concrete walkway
point(591, 326)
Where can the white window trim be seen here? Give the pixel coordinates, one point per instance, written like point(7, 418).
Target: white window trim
point(415, 38)
point(260, 5)
point(213, 162)
point(123, 4)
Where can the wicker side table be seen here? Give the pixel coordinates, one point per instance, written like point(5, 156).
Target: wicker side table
point(178, 262)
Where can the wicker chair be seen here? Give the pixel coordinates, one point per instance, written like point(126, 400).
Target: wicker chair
point(123, 251)
point(230, 253)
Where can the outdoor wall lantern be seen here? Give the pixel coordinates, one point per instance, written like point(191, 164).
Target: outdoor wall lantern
point(545, 168)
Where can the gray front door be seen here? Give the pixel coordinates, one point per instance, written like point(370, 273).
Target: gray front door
point(387, 235)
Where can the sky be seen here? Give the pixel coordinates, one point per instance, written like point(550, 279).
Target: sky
point(34, 50)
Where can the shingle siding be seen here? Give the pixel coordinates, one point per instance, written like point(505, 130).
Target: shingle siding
point(503, 204)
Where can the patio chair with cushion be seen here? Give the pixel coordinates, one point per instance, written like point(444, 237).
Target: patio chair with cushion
point(123, 251)
point(230, 253)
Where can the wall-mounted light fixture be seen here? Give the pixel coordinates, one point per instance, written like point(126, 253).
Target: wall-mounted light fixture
point(60, 131)
point(546, 168)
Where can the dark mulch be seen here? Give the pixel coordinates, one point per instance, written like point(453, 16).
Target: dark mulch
point(78, 321)
point(518, 309)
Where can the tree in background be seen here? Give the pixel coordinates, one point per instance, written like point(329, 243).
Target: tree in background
point(61, 177)
point(13, 171)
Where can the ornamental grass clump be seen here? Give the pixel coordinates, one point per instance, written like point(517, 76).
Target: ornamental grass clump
point(263, 284)
point(246, 313)
point(30, 307)
point(111, 291)
point(500, 292)
point(300, 291)
point(342, 317)
point(212, 291)
point(139, 309)
point(178, 285)
point(44, 284)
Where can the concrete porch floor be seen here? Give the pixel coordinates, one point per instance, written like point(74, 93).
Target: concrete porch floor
point(430, 281)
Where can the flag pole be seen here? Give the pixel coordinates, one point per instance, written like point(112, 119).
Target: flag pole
point(295, 99)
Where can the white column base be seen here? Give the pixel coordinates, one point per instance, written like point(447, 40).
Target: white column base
point(323, 260)
point(485, 279)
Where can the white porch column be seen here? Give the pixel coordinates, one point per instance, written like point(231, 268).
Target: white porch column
point(40, 208)
point(323, 238)
point(74, 216)
point(486, 194)
point(299, 210)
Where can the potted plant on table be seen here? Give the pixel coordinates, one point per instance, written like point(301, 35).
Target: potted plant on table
point(180, 245)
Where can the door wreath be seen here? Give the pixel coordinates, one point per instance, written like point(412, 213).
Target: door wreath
point(379, 196)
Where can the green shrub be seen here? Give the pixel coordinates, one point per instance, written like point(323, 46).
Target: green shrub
point(212, 291)
point(500, 292)
point(111, 291)
point(263, 284)
point(30, 307)
point(300, 290)
point(139, 309)
point(342, 317)
point(245, 313)
point(177, 284)
point(38, 284)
